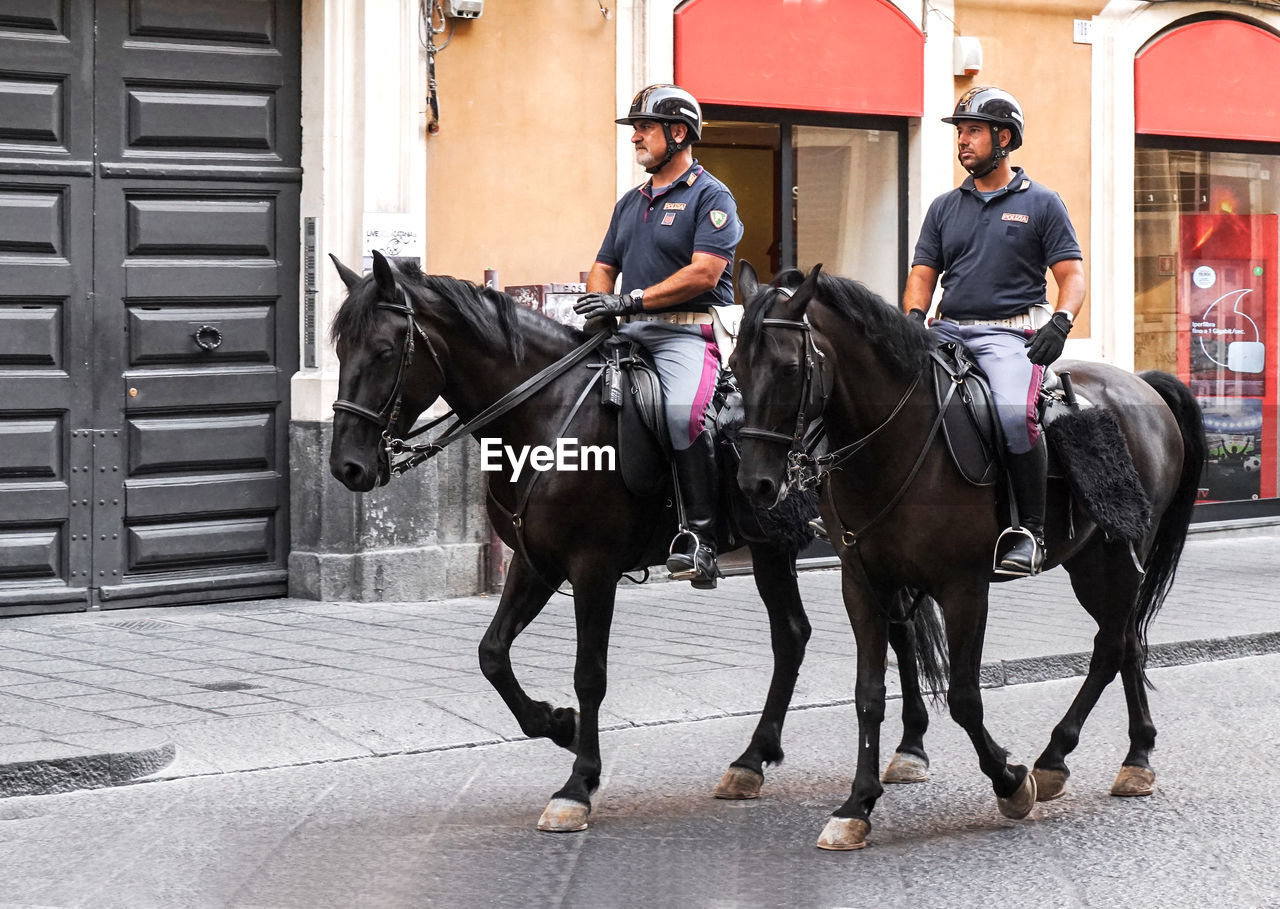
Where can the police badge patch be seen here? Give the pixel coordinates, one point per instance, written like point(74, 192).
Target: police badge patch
point(719, 219)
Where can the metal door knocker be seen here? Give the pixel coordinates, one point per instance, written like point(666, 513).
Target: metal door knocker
point(208, 337)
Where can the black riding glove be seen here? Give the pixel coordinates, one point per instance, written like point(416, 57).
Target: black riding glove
point(598, 304)
point(1046, 345)
point(919, 315)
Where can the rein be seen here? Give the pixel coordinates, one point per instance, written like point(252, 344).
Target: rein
point(387, 415)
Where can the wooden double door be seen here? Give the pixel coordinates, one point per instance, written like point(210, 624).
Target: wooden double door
point(149, 186)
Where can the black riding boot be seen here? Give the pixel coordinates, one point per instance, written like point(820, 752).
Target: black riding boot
point(1028, 476)
point(693, 553)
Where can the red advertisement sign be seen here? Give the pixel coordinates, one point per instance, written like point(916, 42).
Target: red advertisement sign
point(1227, 269)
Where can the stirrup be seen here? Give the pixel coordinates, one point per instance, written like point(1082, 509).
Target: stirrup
point(681, 572)
point(1037, 554)
point(819, 528)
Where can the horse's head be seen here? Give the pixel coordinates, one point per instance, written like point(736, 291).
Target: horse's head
point(389, 373)
point(780, 373)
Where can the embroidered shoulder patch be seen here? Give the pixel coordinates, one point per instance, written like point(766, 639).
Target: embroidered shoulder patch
point(1010, 216)
point(719, 219)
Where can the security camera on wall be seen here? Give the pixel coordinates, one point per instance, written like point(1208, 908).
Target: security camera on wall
point(463, 9)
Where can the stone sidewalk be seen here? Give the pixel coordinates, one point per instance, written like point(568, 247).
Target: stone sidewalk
point(96, 699)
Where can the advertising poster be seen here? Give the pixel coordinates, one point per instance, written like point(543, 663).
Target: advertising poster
point(1227, 267)
point(1233, 430)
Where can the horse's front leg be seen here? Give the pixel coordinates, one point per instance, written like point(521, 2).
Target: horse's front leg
point(593, 596)
point(523, 597)
point(851, 822)
point(965, 611)
point(789, 630)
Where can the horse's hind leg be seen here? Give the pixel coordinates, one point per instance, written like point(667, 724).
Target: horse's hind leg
point(788, 633)
point(910, 763)
point(965, 611)
point(1106, 583)
point(523, 597)
point(1136, 776)
point(593, 597)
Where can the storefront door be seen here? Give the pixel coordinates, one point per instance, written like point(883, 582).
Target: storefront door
point(810, 194)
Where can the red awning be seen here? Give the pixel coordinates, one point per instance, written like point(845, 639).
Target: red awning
point(850, 56)
point(1215, 78)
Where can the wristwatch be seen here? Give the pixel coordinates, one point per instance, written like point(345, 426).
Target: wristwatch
point(637, 299)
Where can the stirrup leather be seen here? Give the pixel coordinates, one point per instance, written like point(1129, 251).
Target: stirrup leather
point(1037, 554)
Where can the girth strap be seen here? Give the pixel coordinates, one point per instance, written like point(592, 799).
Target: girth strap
point(517, 516)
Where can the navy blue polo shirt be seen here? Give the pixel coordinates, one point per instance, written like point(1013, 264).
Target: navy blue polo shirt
point(993, 254)
point(653, 235)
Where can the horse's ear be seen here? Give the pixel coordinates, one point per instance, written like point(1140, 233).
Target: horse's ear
point(349, 277)
point(384, 275)
point(805, 291)
point(748, 282)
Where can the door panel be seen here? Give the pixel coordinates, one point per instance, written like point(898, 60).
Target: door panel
point(197, 265)
point(46, 217)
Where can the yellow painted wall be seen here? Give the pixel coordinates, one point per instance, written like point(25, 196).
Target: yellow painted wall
point(521, 175)
point(1027, 49)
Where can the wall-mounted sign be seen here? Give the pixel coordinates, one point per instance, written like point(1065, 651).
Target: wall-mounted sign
point(393, 234)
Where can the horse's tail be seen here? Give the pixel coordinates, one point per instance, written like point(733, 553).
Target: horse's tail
point(928, 639)
point(1171, 532)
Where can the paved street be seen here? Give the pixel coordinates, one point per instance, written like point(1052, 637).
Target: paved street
point(247, 686)
point(456, 828)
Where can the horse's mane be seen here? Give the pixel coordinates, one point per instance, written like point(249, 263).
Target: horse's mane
point(902, 342)
point(490, 315)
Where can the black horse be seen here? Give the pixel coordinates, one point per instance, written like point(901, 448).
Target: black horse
point(404, 339)
point(902, 515)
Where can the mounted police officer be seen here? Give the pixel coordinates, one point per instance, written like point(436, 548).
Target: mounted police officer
point(991, 240)
point(673, 240)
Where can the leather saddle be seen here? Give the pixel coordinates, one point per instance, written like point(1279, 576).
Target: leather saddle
point(631, 387)
point(970, 425)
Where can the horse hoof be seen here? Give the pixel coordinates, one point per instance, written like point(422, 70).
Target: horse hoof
point(906, 768)
point(564, 816)
point(844, 834)
point(1050, 784)
point(1134, 781)
point(1019, 805)
point(740, 783)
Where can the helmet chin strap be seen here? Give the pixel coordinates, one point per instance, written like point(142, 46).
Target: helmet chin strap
point(673, 148)
point(998, 152)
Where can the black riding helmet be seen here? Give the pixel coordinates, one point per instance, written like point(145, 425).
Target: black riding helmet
point(998, 108)
point(666, 104)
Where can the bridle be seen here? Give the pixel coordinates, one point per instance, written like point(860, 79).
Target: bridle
point(799, 451)
point(804, 470)
point(385, 416)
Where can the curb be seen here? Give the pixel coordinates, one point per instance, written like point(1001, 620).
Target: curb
point(998, 674)
point(94, 763)
point(91, 762)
